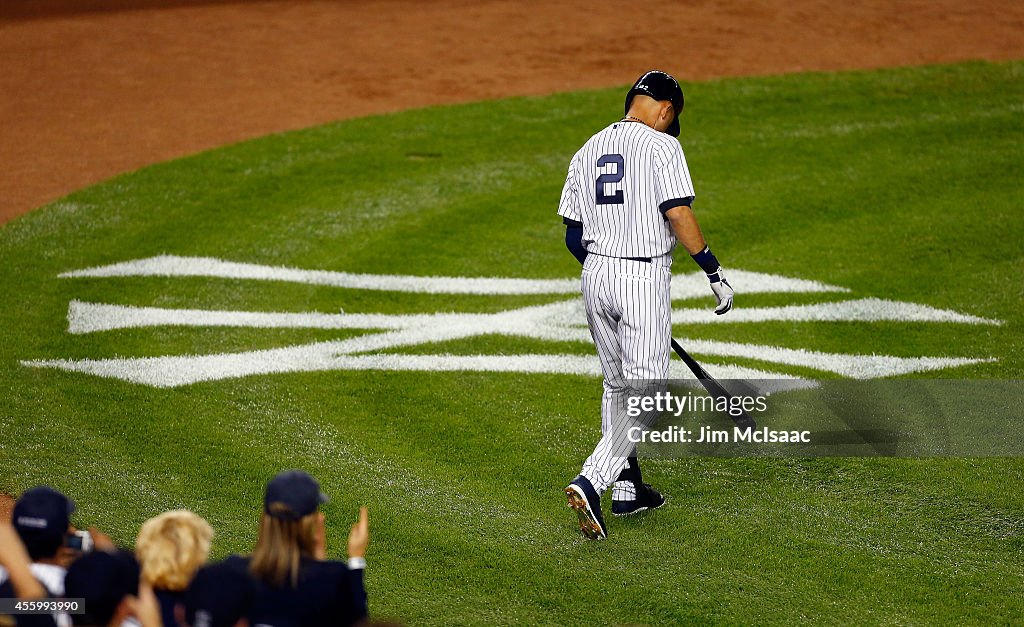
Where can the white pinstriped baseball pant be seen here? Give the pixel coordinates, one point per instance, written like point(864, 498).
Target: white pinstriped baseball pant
point(629, 310)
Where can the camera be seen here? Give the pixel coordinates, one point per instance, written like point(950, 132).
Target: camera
point(79, 541)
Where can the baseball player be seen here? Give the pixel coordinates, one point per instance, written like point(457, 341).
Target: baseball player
point(626, 202)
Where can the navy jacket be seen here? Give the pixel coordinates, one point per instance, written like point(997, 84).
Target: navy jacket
point(328, 594)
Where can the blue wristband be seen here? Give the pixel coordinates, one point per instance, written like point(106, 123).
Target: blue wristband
point(706, 260)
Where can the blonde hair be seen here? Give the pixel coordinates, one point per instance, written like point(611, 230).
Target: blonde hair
point(281, 546)
point(171, 547)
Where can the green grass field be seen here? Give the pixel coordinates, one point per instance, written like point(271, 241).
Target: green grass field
point(900, 184)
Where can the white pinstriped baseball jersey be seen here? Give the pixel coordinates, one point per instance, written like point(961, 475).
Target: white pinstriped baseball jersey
point(619, 185)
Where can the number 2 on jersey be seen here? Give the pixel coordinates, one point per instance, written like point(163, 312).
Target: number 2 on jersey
point(610, 178)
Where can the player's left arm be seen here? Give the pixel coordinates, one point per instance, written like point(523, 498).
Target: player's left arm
point(687, 231)
point(684, 224)
point(676, 204)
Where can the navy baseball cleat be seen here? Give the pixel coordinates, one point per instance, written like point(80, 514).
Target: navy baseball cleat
point(587, 502)
point(646, 498)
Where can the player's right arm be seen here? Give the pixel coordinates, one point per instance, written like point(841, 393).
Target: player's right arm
point(572, 216)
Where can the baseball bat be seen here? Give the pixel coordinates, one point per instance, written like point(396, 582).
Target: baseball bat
point(716, 389)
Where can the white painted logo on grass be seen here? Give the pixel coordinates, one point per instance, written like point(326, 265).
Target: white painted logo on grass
point(560, 321)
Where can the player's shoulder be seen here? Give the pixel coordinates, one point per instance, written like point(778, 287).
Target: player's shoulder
point(662, 145)
point(665, 142)
point(598, 136)
point(659, 142)
point(665, 148)
point(587, 147)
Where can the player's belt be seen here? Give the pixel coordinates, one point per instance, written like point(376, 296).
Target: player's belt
point(644, 259)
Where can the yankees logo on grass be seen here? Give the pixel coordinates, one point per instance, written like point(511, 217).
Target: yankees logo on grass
point(559, 321)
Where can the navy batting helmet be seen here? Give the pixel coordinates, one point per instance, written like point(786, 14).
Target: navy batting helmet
point(660, 86)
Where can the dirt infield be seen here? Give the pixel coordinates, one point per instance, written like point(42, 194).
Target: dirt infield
point(92, 88)
point(6, 505)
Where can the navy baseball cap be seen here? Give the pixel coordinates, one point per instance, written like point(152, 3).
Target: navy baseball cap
point(660, 86)
point(103, 580)
point(219, 594)
point(42, 511)
point(297, 491)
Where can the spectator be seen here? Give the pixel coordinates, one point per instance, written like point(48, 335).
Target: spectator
point(42, 520)
point(294, 583)
point(170, 548)
point(15, 561)
point(108, 583)
point(219, 596)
